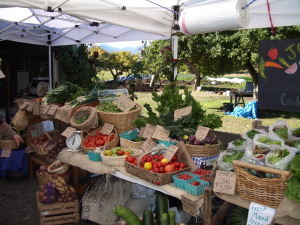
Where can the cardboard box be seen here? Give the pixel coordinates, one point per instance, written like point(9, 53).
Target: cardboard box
point(191, 204)
point(58, 212)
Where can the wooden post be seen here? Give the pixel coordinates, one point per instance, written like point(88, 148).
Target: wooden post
point(207, 212)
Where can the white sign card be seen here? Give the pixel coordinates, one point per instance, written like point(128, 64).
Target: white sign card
point(201, 132)
point(36, 108)
point(107, 128)
point(170, 152)
point(124, 103)
point(45, 109)
point(225, 182)
point(260, 214)
point(149, 130)
point(29, 107)
point(148, 144)
point(160, 133)
point(5, 153)
point(68, 132)
point(178, 113)
point(52, 110)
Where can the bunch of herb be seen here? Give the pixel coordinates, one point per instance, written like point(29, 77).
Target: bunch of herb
point(252, 133)
point(296, 132)
point(282, 132)
point(239, 142)
point(277, 155)
point(234, 156)
point(63, 93)
point(269, 141)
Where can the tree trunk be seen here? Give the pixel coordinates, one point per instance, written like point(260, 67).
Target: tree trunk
point(197, 80)
point(254, 76)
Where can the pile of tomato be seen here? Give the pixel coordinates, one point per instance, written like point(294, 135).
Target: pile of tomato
point(157, 163)
point(97, 140)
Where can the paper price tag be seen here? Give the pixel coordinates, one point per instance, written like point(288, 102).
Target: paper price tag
point(124, 103)
point(225, 182)
point(260, 214)
point(149, 130)
point(178, 113)
point(170, 152)
point(107, 128)
point(29, 107)
point(68, 132)
point(141, 133)
point(24, 105)
point(45, 108)
point(49, 147)
point(5, 153)
point(52, 110)
point(148, 144)
point(160, 133)
point(201, 132)
point(36, 108)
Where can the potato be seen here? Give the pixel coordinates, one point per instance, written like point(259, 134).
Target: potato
point(42, 187)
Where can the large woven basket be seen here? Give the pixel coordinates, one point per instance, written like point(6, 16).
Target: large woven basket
point(108, 146)
point(118, 160)
point(123, 120)
point(124, 143)
point(266, 191)
point(152, 177)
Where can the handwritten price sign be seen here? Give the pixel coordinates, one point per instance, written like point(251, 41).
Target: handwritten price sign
point(225, 182)
point(148, 144)
point(201, 132)
point(124, 103)
point(160, 133)
point(149, 130)
point(52, 110)
point(107, 128)
point(68, 132)
point(170, 152)
point(178, 113)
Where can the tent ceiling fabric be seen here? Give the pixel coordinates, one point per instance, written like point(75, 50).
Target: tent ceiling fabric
point(68, 22)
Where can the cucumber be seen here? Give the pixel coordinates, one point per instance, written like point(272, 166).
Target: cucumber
point(172, 217)
point(165, 219)
point(130, 217)
point(161, 206)
point(148, 217)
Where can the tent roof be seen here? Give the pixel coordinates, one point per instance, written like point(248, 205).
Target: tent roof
point(66, 22)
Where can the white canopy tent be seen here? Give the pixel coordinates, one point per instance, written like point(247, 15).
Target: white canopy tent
point(68, 22)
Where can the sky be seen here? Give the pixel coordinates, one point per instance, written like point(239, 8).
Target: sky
point(125, 44)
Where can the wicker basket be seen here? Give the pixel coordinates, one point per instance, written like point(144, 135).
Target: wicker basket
point(109, 145)
point(45, 179)
point(62, 167)
point(155, 178)
point(124, 143)
point(266, 191)
point(118, 160)
point(123, 120)
point(91, 122)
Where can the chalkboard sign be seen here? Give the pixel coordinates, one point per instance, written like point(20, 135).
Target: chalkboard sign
point(279, 75)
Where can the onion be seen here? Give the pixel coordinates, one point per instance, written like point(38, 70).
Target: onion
point(42, 187)
point(43, 168)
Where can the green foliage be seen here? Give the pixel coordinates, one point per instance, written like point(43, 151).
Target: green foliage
point(293, 189)
point(75, 64)
point(168, 102)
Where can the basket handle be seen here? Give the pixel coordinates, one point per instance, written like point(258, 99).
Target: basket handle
point(48, 136)
point(283, 173)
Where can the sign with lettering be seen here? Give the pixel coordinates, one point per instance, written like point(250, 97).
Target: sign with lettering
point(45, 108)
point(225, 182)
point(124, 103)
point(201, 132)
point(170, 152)
point(52, 110)
point(107, 128)
point(5, 153)
point(24, 105)
point(36, 108)
point(149, 130)
point(160, 133)
point(141, 132)
point(178, 113)
point(68, 132)
point(148, 144)
point(279, 75)
point(260, 214)
point(29, 106)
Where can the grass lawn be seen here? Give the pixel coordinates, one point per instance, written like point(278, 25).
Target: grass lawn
point(212, 102)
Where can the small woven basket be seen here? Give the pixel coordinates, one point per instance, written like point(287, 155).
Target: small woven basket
point(122, 120)
point(204, 150)
point(124, 143)
point(91, 122)
point(114, 142)
point(118, 160)
point(152, 177)
point(57, 167)
point(266, 191)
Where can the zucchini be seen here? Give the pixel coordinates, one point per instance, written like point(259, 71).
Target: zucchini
point(172, 217)
point(130, 217)
point(148, 217)
point(165, 219)
point(161, 206)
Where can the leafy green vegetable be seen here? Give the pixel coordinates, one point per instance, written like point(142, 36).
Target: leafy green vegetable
point(295, 166)
point(294, 144)
point(282, 132)
point(266, 140)
point(82, 119)
point(252, 133)
point(296, 132)
point(110, 107)
point(278, 155)
point(293, 189)
point(235, 156)
point(239, 142)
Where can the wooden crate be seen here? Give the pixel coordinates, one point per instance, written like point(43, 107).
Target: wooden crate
point(59, 212)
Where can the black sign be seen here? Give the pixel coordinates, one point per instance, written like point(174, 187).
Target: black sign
point(279, 75)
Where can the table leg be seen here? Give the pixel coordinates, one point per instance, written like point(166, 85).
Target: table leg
point(207, 212)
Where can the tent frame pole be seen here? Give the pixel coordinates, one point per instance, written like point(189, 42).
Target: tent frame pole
point(50, 67)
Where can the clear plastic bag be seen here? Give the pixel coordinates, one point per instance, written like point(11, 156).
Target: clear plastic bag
point(249, 135)
point(267, 141)
point(232, 145)
point(280, 130)
point(284, 162)
point(228, 166)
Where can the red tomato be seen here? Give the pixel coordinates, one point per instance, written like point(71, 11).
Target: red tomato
point(162, 169)
point(130, 158)
point(177, 164)
point(111, 137)
point(121, 152)
point(160, 157)
point(135, 162)
point(182, 165)
point(174, 158)
point(159, 164)
point(102, 142)
point(169, 168)
point(105, 138)
point(148, 158)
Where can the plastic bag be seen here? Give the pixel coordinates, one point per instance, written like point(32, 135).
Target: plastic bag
point(234, 146)
point(281, 130)
point(256, 154)
point(20, 120)
point(282, 163)
point(267, 141)
point(227, 166)
point(249, 135)
point(294, 144)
